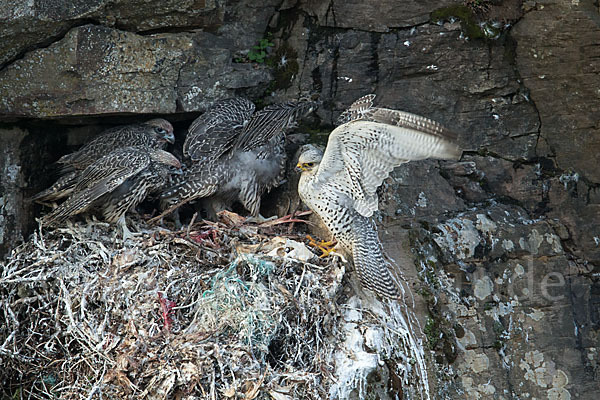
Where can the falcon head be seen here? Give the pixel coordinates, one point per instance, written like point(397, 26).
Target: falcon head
point(309, 159)
point(166, 158)
point(162, 129)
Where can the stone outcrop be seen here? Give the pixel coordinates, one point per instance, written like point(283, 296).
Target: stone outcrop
point(96, 70)
point(32, 24)
point(13, 218)
point(557, 58)
point(503, 248)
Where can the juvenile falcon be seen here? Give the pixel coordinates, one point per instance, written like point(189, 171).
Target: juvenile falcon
point(235, 153)
point(155, 133)
point(340, 184)
point(116, 183)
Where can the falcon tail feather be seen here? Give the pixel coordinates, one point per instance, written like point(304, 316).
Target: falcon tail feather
point(374, 271)
point(61, 188)
point(72, 206)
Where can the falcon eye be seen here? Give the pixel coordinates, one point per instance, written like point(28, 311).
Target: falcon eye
point(160, 130)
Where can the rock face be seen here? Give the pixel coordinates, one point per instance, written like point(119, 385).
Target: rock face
point(12, 217)
point(27, 25)
point(97, 70)
point(561, 79)
point(505, 244)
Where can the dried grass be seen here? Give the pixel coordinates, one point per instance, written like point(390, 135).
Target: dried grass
point(169, 315)
point(215, 311)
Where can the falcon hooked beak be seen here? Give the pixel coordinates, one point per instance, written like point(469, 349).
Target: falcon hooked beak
point(169, 137)
point(304, 166)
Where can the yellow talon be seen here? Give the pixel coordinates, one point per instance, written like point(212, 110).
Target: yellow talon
point(325, 246)
point(311, 242)
point(325, 251)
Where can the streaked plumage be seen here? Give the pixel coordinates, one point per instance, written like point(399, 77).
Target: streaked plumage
point(235, 153)
point(357, 109)
point(116, 183)
point(155, 133)
point(340, 184)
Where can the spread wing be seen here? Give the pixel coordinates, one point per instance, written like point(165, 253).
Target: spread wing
point(362, 109)
point(101, 177)
point(356, 109)
point(408, 121)
point(272, 121)
point(214, 132)
point(360, 154)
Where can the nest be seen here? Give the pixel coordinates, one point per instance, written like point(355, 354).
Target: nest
point(219, 310)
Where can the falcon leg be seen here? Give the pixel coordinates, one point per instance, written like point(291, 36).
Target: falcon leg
point(126, 232)
point(177, 219)
point(249, 196)
point(213, 205)
point(325, 246)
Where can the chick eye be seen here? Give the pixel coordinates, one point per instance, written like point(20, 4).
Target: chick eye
point(310, 164)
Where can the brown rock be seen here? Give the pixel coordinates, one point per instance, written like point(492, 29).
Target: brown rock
point(96, 70)
point(557, 60)
point(511, 297)
point(27, 25)
point(14, 213)
point(557, 56)
point(378, 17)
point(571, 201)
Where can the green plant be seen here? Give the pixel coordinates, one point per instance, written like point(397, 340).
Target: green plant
point(258, 53)
point(432, 333)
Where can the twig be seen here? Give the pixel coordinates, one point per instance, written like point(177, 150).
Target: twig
point(287, 219)
point(27, 268)
point(96, 388)
point(190, 224)
point(9, 339)
point(300, 282)
point(170, 210)
point(194, 244)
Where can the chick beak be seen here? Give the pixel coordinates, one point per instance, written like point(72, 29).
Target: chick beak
point(300, 167)
point(169, 137)
point(176, 169)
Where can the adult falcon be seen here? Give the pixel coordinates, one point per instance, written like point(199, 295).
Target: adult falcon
point(155, 133)
point(236, 154)
point(117, 183)
point(340, 184)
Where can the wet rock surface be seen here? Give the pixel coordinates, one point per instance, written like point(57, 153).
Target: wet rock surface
point(502, 248)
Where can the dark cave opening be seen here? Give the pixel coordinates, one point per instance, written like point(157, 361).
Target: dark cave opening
point(45, 141)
